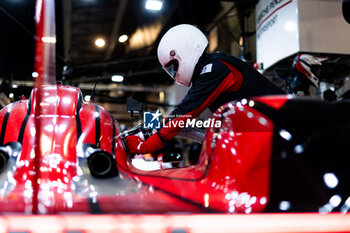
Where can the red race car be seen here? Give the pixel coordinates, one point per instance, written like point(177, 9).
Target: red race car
point(59, 154)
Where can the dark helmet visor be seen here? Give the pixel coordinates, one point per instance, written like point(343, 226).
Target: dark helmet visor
point(172, 67)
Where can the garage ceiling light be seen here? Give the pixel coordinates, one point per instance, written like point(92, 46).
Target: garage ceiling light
point(99, 42)
point(117, 78)
point(123, 38)
point(154, 5)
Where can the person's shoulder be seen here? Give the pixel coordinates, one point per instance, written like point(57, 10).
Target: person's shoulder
point(212, 57)
point(212, 64)
point(219, 55)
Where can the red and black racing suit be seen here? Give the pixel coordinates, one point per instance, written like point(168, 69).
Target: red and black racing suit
point(218, 78)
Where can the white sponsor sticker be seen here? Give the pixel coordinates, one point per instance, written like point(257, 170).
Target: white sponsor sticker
point(207, 69)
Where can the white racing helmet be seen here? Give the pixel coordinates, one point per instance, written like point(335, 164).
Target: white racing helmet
point(179, 51)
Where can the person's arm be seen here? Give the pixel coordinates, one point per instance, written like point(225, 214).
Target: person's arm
point(214, 79)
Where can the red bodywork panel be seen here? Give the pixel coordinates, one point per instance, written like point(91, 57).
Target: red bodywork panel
point(57, 163)
point(275, 102)
point(51, 135)
point(232, 174)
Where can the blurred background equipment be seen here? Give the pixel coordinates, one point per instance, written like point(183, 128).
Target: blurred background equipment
point(289, 28)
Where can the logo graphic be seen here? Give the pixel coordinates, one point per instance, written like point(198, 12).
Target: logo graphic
point(207, 69)
point(151, 120)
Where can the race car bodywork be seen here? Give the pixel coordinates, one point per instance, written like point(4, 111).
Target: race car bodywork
point(250, 164)
point(60, 154)
point(82, 165)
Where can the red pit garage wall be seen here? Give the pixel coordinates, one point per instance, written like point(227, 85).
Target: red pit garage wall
point(286, 27)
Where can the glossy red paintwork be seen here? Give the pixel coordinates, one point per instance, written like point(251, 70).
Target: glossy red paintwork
point(45, 45)
point(50, 175)
point(233, 172)
point(275, 102)
point(231, 176)
point(58, 154)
